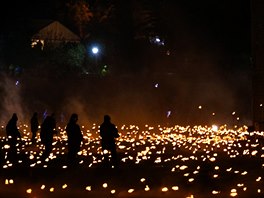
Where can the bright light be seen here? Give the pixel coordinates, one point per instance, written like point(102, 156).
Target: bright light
point(214, 128)
point(157, 40)
point(95, 50)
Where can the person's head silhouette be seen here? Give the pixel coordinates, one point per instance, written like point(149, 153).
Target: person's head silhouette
point(74, 117)
point(107, 118)
point(14, 117)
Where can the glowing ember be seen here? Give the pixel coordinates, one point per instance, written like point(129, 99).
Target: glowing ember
point(186, 153)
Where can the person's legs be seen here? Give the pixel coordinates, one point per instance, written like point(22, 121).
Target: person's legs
point(33, 139)
point(47, 151)
point(12, 153)
point(72, 154)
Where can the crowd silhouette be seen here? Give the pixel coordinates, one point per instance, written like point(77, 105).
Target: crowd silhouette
point(108, 134)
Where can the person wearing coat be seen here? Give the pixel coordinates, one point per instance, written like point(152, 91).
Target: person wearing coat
point(13, 136)
point(108, 133)
point(75, 137)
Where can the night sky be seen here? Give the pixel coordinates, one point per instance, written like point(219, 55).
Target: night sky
point(220, 24)
point(206, 45)
point(220, 27)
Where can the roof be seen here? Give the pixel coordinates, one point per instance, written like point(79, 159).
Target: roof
point(55, 31)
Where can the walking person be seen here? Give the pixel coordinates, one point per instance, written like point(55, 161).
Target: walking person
point(13, 136)
point(48, 129)
point(34, 124)
point(75, 138)
point(109, 133)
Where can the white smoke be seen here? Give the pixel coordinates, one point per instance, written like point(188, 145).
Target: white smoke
point(11, 99)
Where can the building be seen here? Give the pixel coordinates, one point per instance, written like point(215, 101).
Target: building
point(53, 33)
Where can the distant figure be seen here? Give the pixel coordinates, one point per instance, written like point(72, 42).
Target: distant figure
point(34, 124)
point(75, 137)
point(46, 133)
point(13, 135)
point(108, 133)
point(12, 131)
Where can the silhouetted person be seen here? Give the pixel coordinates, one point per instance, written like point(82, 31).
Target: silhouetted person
point(34, 124)
point(108, 133)
point(13, 135)
point(46, 133)
point(75, 137)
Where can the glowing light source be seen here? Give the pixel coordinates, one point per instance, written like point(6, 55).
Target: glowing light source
point(95, 50)
point(131, 190)
point(88, 188)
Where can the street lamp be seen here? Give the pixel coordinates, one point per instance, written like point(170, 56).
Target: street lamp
point(95, 50)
